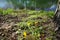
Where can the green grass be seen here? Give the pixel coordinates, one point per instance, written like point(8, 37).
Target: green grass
point(34, 23)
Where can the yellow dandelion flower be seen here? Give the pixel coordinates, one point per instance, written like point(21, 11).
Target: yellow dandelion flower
point(28, 23)
point(38, 35)
point(25, 34)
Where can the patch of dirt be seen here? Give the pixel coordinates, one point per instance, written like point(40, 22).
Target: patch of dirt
point(8, 27)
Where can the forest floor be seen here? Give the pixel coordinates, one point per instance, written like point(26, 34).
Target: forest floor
point(30, 25)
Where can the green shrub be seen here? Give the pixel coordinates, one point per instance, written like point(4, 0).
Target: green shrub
point(5, 12)
point(9, 10)
point(1, 11)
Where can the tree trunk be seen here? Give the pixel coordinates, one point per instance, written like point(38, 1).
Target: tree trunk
point(57, 21)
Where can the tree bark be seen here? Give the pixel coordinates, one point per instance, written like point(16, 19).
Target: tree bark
point(57, 20)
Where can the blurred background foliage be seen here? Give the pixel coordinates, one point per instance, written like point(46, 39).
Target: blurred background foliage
point(28, 4)
point(33, 3)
